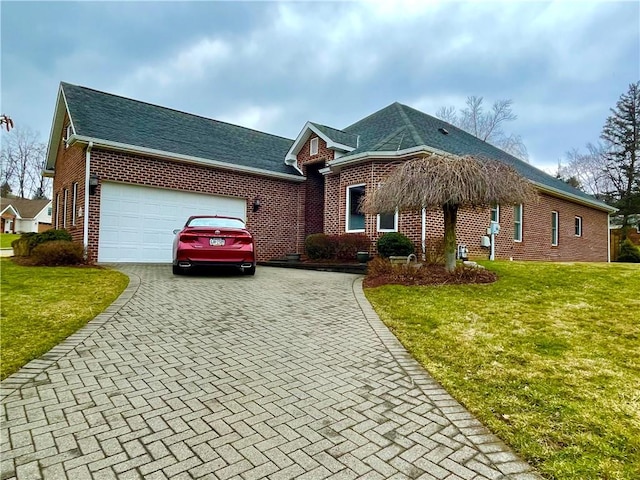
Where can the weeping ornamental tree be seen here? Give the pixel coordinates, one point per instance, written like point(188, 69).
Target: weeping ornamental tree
point(448, 183)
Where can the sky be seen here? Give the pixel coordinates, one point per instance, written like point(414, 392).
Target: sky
point(273, 66)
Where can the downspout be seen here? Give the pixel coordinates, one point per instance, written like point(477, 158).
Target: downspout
point(609, 238)
point(424, 234)
point(85, 240)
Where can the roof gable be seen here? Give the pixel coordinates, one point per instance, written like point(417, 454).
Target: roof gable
point(119, 120)
point(334, 138)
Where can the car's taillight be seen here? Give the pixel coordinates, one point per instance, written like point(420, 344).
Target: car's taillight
point(186, 238)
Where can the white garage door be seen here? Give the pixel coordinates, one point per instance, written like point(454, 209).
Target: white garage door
point(137, 223)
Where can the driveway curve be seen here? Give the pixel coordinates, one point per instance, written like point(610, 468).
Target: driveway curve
point(288, 374)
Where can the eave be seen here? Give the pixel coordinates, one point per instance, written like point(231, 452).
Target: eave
point(137, 150)
point(334, 166)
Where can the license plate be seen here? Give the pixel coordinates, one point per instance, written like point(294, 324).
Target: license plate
point(216, 242)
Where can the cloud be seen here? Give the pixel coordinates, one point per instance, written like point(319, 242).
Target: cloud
point(257, 117)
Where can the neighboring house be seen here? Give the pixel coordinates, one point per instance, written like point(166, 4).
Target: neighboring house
point(21, 215)
point(147, 168)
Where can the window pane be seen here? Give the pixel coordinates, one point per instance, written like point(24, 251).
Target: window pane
point(578, 226)
point(387, 221)
point(355, 218)
point(495, 215)
point(517, 223)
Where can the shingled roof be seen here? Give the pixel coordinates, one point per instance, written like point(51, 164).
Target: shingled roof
point(25, 207)
point(398, 127)
point(104, 116)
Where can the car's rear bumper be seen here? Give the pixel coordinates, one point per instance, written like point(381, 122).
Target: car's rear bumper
point(205, 263)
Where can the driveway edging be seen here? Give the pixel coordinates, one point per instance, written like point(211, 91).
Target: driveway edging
point(28, 373)
point(480, 437)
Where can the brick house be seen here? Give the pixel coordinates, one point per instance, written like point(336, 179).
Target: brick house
point(126, 173)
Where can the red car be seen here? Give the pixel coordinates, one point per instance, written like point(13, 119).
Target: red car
point(214, 241)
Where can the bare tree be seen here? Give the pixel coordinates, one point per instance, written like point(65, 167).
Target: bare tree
point(588, 168)
point(448, 182)
point(22, 160)
point(487, 126)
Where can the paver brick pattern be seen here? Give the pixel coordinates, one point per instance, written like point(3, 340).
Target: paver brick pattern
point(288, 374)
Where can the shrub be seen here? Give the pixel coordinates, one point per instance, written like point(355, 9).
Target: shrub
point(346, 246)
point(318, 246)
point(23, 246)
point(394, 243)
point(629, 252)
point(58, 252)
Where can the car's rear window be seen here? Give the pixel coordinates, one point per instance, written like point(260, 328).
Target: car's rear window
point(216, 222)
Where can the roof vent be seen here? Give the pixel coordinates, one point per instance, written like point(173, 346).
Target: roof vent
point(443, 131)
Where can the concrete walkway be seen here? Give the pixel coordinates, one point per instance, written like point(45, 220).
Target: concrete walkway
point(288, 374)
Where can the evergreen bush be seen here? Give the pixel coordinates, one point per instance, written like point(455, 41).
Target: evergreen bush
point(629, 252)
point(394, 244)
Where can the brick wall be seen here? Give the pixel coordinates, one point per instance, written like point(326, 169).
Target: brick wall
point(315, 183)
point(278, 225)
point(473, 222)
point(70, 168)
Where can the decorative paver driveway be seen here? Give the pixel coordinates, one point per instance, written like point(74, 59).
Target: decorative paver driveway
point(288, 374)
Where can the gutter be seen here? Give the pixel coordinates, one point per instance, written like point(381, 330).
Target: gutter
point(123, 147)
point(342, 161)
point(575, 198)
point(85, 234)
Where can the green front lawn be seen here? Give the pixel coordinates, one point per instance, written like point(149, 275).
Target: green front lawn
point(41, 306)
point(7, 238)
point(548, 357)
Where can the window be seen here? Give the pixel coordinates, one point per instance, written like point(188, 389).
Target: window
point(49, 210)
point(388, 222)
point(554, 228)
point(355, 217)
point(578, 226)
point(313, 146)
point(64, 208)
point(57, 211)
point(74, 203)
point(495, 213)
point(517, 223)
point(67, 134)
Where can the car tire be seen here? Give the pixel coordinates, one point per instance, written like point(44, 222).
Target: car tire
point(177, 270)
point(249, 271)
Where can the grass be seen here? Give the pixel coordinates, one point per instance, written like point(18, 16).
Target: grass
point(7, 238)
point(41, 306)
point(548, 357)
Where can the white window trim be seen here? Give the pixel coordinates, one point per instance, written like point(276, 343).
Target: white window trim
point(67, 135)
point(497, 209)
point(395, 224)
point(57, 211)
point(347, 212)
point(313, 146)
point(519, 240)
point(74, 204)
point(64, 204)
point(555, 222)
point(579, 220)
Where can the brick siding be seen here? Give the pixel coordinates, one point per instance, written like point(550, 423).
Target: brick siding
point(472, 223)
point(290, 211)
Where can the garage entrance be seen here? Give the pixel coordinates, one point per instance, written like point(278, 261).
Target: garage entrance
point(137, 223)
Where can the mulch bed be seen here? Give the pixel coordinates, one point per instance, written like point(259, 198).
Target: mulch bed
point(433, 275)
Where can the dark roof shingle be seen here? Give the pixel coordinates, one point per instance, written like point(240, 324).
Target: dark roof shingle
point(118, 119)
point(398, 127)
